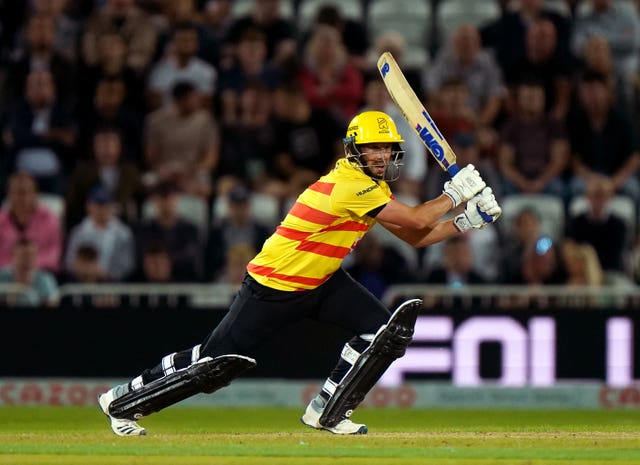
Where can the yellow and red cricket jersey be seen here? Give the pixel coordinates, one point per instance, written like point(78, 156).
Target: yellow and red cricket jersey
point(326, 222)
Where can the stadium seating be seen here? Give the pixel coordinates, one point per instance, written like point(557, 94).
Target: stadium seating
point(190, 208)
point(452, 13)
point(243, 7)
point(307, 10)
point(264, 209)
point(550, 209)
point(412, 19)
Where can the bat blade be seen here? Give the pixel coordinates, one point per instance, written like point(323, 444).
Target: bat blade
point(414, 112)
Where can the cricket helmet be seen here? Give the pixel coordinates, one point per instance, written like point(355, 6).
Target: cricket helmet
point(372, 127)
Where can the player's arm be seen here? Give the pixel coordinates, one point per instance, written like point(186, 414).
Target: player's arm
point(462, 187)
point(424, 237)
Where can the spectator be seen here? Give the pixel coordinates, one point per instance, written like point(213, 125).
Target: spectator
point(40, 286)
point(525, 233)
point(396, 44)
point(280, 33)
point(541, 264)
point(250, 70)
point(237, 228)
point(124, 18)
point(179, 238)
point(506, 36)
point(108, 168)
point(582, 265)
point(376, 265)
point(39, 134)
point(110, 108)
point(457, 265)
point(111, 63)
point(353, 33)
point(604, 230)
point(464, 58)
point(102, 229)
point(622, 31)
point(216, 22)
point(597, 58)
point(67, 29)
point(157, 266)
point(542, 62)
point(182, 143)
point(24, 218)
point(235, 269)
point(306, 139)
point(40, 54)
point(534, 148)
point(181, 65)
point(85, 268)
point(329, 81)
point(603, 141)
point(450, 106)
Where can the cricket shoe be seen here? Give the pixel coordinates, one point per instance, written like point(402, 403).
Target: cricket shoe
point(120, 426)
point(312, 416)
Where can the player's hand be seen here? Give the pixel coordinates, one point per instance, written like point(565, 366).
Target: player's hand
point(482, 210)
point(464, 185)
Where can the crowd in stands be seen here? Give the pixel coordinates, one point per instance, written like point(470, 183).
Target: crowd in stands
point(161, 141)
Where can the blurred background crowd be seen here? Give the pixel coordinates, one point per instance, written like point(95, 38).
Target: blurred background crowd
point(161, 141)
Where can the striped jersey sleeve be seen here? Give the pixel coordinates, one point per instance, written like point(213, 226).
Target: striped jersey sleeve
point(322, 227)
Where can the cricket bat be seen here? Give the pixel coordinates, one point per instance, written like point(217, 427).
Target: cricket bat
point(415, 113)
point(418, 117)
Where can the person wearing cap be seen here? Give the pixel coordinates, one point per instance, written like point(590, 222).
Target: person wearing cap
point(297, 274)
point(103, 230)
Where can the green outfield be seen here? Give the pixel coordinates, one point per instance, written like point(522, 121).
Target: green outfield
point(189, 436)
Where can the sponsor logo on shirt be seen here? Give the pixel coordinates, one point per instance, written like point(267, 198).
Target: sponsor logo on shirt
point(368, 189)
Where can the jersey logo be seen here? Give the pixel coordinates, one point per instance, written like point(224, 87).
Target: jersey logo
point(368, 189)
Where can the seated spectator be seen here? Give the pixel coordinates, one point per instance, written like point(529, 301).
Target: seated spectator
point(182, 143)
point(235, 268)
point(179, 238)
point(181, 65)
point(108, 168)
point(582, 264)
point(534, 149)
point(457, 265)
point(541, 264)
point(602, 140)
point(543, 63)
point(85, 268)
point(250, 69)
point(601, 228)
point(450, 106)
point(622, 32)
point(280, 33)
point(238, 228)
point(40, 286)
point(109, 107)
point(525, 233)
point(464, 58)
point(24, 218)
point(376, 265)
point(124, 18)
point(39, 134)
point(112, 63)
point(39, 54)
point(353, 33)
point(329, 81)
point(157, 266)
point(306, 139)
point(102, 229)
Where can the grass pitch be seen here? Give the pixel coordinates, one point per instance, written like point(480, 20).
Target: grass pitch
point(190, 436)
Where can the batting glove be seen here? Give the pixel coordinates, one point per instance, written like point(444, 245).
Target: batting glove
point(481, 210)
point(464, 185)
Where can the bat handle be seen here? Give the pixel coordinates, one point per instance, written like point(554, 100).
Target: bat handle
point(453, 170)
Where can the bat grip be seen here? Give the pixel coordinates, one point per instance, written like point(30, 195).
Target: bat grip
point(453, 170)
